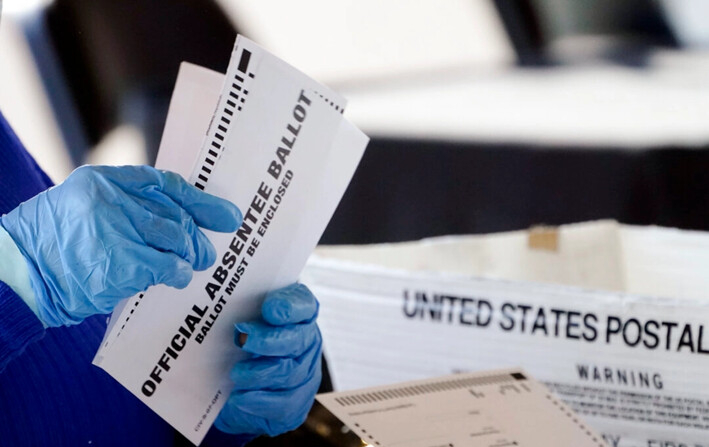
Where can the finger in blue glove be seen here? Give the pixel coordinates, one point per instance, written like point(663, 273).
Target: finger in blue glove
point(292, 308)
point(287, 341)
point(270, 412)
point(290, 305)
point(274, 373)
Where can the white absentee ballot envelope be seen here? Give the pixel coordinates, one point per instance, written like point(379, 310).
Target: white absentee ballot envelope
point(614, 319)
point(486, 409)
point(279, 148)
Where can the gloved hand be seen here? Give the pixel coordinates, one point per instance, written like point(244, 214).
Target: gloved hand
point(275, 388)
point(107, 233)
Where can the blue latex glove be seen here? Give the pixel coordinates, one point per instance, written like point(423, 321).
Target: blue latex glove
point(275, 387)
point(107, 233)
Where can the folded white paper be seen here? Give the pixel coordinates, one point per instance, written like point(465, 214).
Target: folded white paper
point(279, 148)
point(490, 409)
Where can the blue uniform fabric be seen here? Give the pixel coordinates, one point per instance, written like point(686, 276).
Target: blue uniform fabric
point(50, 394)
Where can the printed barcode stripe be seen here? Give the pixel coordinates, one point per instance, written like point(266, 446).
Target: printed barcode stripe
point(136, 303)
point(332, 103)
point(426, 388)
point(572, 417)
point(244, 61)
point(236, 98)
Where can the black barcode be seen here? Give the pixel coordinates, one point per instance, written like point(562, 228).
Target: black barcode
point(576, 421)
point(136, 302)
point(332, 103)
point(426, 388)
point(236, 98)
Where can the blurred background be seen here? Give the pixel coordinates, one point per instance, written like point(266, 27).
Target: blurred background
point(485, 115)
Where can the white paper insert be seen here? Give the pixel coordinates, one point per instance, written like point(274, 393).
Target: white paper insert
point(490, 409)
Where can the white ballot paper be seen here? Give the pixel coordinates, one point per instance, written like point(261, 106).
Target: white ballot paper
point(279, 148)
point(490, 409)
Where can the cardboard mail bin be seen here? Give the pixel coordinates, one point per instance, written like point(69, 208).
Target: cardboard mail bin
point(613, 318)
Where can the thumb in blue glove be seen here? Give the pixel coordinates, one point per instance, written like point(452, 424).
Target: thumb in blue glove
point(275, 388)
point(107, 233)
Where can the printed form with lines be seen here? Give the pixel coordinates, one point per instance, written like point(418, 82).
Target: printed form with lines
point(491, 409)
point(275, 143)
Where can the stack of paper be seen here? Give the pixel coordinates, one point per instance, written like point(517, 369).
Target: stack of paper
point(279, 148)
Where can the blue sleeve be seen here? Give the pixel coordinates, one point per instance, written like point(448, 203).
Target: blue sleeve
point(18, 326)
point(20, 179)
point(216, 438)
